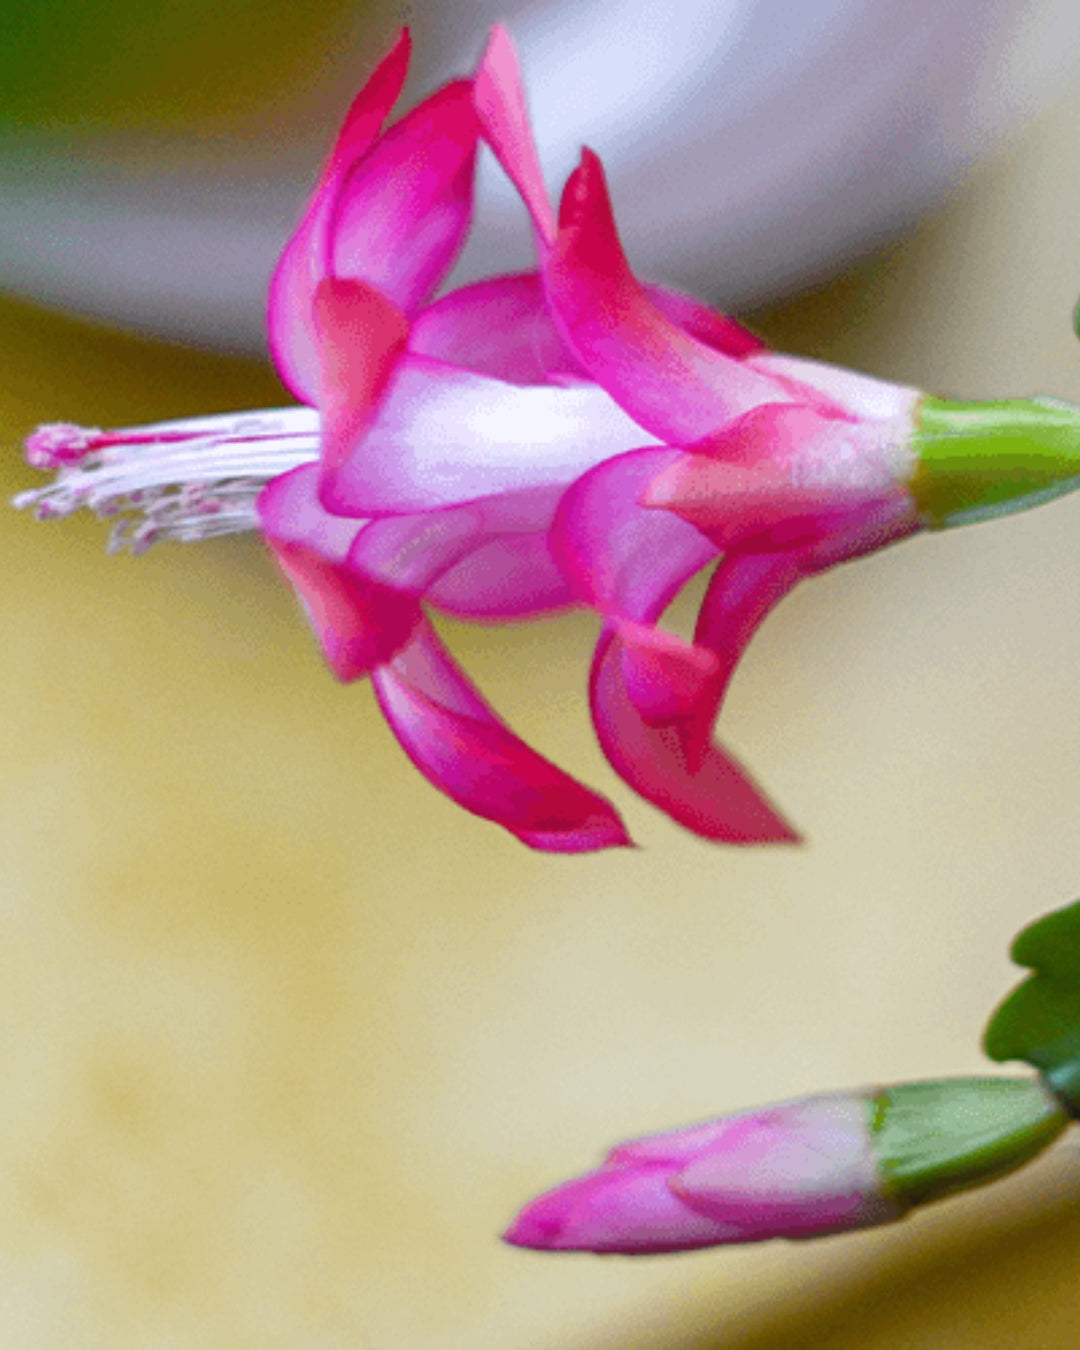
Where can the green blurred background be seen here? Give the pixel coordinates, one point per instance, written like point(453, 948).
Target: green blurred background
point(203, 64)
point(285, 1037)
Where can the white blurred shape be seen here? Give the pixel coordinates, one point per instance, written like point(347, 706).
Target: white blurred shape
point(750, 143)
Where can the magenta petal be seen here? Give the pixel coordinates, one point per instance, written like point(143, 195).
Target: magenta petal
point(758, 509)
point(654, 697)
point(361, 338)
point(359, 624)
point(358, 621)
point(460, 746)
point(742, 592)
point(746, 587)
point(503, 327)
point(709, 793)
point(487, 558)
point(514, 577)
point(617, 555)
point(674, 1148)
point(703, 322)
point(500, 327)
point(675, 386)
point(627, 1210)
point(402, 213)
point(443, 435)
point(780, 476)
point(290, 512)
point(665, 678)
point(834, 390)
point(500, 104)
point(305, 260)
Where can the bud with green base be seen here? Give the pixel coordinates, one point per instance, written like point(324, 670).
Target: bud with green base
point(799, 1169)
point(840, 1161)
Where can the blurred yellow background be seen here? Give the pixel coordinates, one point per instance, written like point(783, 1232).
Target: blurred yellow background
point(286, 1037)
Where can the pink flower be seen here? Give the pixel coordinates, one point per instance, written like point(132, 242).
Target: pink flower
point(445, 435)
point(530, 442)
point(777, 466)
point(799, 1169)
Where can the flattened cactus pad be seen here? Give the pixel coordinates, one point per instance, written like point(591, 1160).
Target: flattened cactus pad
point(1039, 1022)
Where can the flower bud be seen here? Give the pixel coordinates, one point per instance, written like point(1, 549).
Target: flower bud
point(798, 1169)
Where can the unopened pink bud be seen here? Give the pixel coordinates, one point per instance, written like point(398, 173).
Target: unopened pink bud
point(799, 1169)
point(795, 1169)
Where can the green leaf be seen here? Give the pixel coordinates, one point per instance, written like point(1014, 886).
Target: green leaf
point(1039, 1022)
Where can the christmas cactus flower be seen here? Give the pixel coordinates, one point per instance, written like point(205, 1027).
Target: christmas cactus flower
point(799, 1169)
point(426, 467)
point(528, 442)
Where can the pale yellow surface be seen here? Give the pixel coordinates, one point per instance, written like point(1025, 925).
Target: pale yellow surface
point(287, 1037)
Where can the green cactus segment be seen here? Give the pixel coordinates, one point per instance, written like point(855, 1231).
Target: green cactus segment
point(1039, 1022)
point(976, 461)
point(934, 1138)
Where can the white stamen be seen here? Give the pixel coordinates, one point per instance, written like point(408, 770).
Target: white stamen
point(186, 480)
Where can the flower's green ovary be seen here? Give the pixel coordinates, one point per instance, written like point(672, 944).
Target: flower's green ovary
point(934, 1138)
point(976, 461)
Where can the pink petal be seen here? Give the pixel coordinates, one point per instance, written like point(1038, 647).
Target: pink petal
point(742, 507)
point(665, 678)
point(487, 558)
point(772, 434)
point(359, 624)
point(673, 385)
point(703, 322)
point(503, 327)
point(500, 104)
point(798, 1169)
point(500, 327)
point(743, 590)
point(674, 1148)
point(880, 521)
point(617, 555)
point(627, 1210)
point(755, 509)
point(361, 338)
point(306, 258)
point(460, 746)
point(655, 697)
point(708, 792)
point(402, 212)
point(443, 435)
point(836, 391)
point(289, 511)
point(358, 621)
point(508, 578)
point(780, 476)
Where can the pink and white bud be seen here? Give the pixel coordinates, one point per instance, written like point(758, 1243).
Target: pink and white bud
point(799, 1169)
point(795, 1169)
